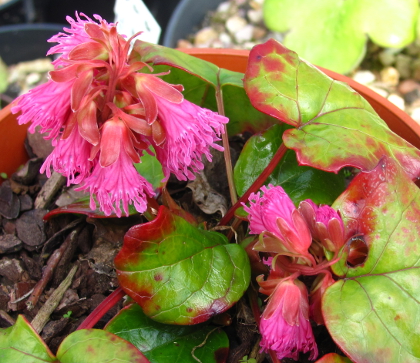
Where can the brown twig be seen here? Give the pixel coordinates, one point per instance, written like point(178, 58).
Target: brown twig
point(46, 310)
point(48, 271)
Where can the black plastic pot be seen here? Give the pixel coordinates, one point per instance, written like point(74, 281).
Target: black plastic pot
point(186, 18)
point(24, 42)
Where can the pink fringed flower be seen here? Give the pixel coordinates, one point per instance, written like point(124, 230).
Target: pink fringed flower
point(80, 32)
point(102, 114)
point(70, 157)
point(325, 224)
point(190, 131)
point(47, 106)
point(285, 326)
point(275, 215)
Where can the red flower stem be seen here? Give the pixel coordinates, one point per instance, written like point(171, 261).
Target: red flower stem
point(225, 141)
point(253, 301)
point(102, 309)
point(273, 356)
point(257, 184)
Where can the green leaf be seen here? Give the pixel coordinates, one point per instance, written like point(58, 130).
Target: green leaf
point(372, 314)
point(332, 34)
point(333, 358)
point(299, 182)
point(335, 126)
point(21, 343)
point(4, 76)
point(162, 343)
point(200, 80)
point(151, 169)
point(98, 346)
point(178, 273)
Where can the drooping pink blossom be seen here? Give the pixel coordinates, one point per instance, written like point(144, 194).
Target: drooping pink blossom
point(190, 132)
point(274, 214)
point(70, 158)
point(82, 30)
point(325, 224)
point(116, 186)
point(284, 325)
point(103, 113)
point(47, 106)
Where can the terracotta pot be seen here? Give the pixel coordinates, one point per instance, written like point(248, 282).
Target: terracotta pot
point(12, 152)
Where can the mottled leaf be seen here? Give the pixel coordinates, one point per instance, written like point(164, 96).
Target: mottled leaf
point(373, 313)
point(333, 358)
point(335, 126)
point(200, 80)
point(20, 343)
point(98, 346)
point(299, 182)
point(178, 273)
point(333, 34)
point(162, 343)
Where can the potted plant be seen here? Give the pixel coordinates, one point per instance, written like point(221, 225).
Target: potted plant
point(351, 249)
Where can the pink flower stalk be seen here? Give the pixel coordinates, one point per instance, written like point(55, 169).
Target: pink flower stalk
point(102, 114)
point(275, 215)
point(325, 224)
point(285, 326)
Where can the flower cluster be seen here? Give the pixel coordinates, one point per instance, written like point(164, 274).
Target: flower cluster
point(102, 114)
point(296, 238)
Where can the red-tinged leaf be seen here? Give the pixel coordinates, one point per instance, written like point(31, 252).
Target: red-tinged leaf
point(82, 207)
point(333, 358)
point(21, 344)
point(372, 313)
point(335, 126)
point(162, 343)
point(98, 346)
point(180, 274)
point(200, 80)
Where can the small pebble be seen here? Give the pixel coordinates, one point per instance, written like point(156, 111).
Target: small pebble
point(205, 37)
point(259, 33)
point(397, 101)
point(33, 78)
point(255, 16)
point(379, 91)
point(403, 65)
point(415, 114)
point(223, 7)
point(235, 23)
point(364, 77)
point(407, 86)
point(390, 76)
point(245, 34)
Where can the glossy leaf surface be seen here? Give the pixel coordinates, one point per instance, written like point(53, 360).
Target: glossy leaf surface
point(333, 358)
point(180, 274)
point(162, 343)
point(373, 313)
point(299, 182)
point(334, 125)
point(98, 346)
point(200, 80)
point(333, 34)
point(21, 343)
